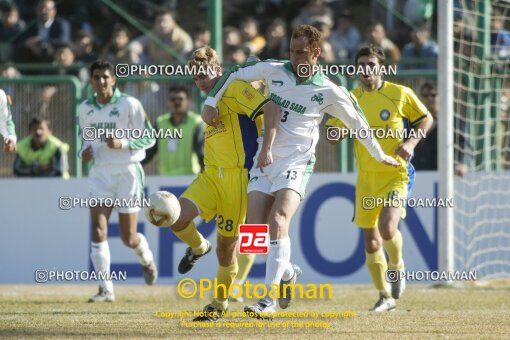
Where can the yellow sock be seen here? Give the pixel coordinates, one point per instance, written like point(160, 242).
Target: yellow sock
point(377, 266)
point(394, 249)
point(244, 262)
point(224, 276)
point(192, 238)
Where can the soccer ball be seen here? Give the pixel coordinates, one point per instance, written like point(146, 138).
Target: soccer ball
point(164, 209)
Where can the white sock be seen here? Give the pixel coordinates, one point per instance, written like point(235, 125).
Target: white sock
point(277, 261)
point(100, 256)
point(142, 251)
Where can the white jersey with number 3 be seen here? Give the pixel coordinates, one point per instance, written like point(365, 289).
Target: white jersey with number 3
point(303, 105)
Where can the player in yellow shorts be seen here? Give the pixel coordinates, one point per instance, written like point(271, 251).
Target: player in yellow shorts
point(393, 113)
point(221, 189)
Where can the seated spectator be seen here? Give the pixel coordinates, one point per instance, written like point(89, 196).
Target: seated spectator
point(179, 156)
point(421, 46)
point(65, 60)
point(201, 37)
point(500, 37)
point(116, 50)
point(425, 153)
point(251, 37)
point(346, 38)
point(236, 55)
point(84, 47)
point(315, 11)
point(419, 11)
point(384, 12)
point(277, 43)
point(327, 54)
point(41, 154)
point(64, 57)
point(375, 34)
point(147, 51)
point(231, 37)
point(11, 27)
point(50, 31)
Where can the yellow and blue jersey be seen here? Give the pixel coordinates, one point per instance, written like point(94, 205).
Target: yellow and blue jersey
point(394, 107)
point(233, 143)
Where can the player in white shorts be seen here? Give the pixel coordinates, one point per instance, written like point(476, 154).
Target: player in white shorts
point(285, 159)
point(116, 172)
point(6, 124)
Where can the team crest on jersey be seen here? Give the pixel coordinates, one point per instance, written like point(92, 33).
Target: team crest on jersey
point(319, 98)
point(248, 94)
point(114, 112)
point(277, 82)
point(385, 114)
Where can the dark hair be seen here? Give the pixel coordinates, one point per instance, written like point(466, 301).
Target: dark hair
point(37, 121)
point(179, 88)
point(101, 64)
point(371, 51)
point(310, 33)
point(82, 34)
point(374, 23)
point(167, 11)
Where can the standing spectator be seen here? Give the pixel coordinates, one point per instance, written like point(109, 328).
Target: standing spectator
point(346, 38)
point(179, 156)
point(251, 37)
point(146, 50)
point(504, 109)
point(116, 50)
point(421, 46)
point(41, 154)
point(315, 11)
point(277, 43)
point(49, 32)
point(500, 37)
point(11, 27)
point(375, 34)
point(425, 155)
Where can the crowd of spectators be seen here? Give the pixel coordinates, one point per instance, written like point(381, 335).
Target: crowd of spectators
point(37, 31)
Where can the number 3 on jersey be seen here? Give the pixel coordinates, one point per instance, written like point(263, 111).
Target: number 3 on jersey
point(285, 114)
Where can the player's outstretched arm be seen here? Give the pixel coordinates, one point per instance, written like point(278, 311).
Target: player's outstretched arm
point(345, 108)
point(257, 70)
point(271, 119)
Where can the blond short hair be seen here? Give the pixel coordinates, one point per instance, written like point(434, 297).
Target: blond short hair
point(204, 57)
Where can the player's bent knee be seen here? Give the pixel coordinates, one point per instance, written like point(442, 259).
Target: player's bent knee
point(372, 242)
point(387, 234)
point(226, 256)
point(131, 240)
